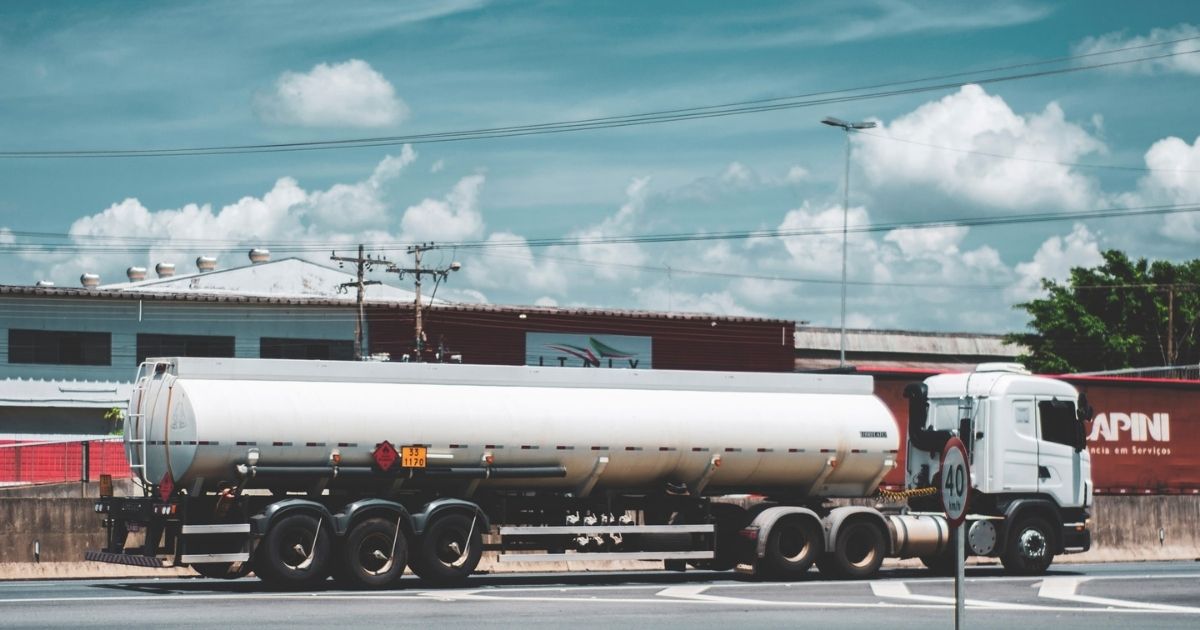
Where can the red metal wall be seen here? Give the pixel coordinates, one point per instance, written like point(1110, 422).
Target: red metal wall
point(1147, 441)
point(22, 463)
point(497, 336)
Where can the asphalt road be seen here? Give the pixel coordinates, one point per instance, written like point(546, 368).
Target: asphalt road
point(1142, 595)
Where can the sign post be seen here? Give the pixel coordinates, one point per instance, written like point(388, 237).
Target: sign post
point(956, 492)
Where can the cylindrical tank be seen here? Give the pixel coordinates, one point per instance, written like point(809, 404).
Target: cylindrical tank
point(824, 435)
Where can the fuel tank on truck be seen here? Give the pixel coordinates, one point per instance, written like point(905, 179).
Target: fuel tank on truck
point(717, 432)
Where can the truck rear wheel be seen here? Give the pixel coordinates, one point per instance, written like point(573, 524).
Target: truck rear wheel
point(793, 545)
point(449, 550)
point(295, 553)
point(1030, 547)
point(373, 555)
point(857, 552)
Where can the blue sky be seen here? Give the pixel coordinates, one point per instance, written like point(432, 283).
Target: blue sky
point(149, 75)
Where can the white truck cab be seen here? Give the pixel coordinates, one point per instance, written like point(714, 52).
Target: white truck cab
point(1030, 469)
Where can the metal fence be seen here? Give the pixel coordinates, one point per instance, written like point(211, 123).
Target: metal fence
point(23, 463)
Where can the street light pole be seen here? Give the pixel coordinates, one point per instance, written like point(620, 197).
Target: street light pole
point(847, 127)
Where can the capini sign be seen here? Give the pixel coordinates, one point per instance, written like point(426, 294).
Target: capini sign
point(1139, 427)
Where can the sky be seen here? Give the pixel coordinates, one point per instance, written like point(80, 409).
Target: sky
point(144, 75)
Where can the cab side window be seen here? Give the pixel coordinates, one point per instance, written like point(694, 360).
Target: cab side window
point(1057, 419)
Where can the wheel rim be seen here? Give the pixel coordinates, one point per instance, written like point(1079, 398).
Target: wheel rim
point(370, 550)
point(860, 547)
point(452, 547)
point(297, 547)
point(794, 543)
point(1032, 544)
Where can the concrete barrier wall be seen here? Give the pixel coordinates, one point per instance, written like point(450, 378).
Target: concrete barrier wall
point(1124, 528)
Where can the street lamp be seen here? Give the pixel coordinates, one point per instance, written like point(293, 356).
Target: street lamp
point(847, 127)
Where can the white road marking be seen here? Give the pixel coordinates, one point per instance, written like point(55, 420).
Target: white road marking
point(899, 590)
point(1063, 589)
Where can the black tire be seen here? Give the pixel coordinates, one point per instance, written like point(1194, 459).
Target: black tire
point(857, 552)
point(372, 556)
point(449, 549)
point(793, 545)
point(1029, 548)
point(222, 570)
point(295, 553)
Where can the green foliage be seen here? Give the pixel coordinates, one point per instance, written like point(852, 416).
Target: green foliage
point(116, 419)
point(1115, 316)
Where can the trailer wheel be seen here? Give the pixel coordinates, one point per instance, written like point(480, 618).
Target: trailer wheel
point(793, 545)
point(857, 553)
point(449, 550)
point(373, 555)
point(295, 553)
point(1030, 547)
point(222, 570)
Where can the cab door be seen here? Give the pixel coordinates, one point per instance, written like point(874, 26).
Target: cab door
point(1060, 466)
point(1017, 446)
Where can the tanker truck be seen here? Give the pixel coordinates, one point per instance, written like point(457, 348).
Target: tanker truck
point(302, 470)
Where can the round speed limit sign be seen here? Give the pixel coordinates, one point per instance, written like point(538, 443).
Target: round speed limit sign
point(956, 481)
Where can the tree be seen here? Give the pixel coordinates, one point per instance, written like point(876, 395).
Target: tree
point(1119, 314)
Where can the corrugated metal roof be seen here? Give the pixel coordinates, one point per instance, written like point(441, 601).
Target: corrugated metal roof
point(899, 342)
point(296, 300)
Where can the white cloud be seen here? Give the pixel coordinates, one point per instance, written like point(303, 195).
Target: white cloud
point(1174, 180)
point(437, 166)
point(546, 301)
point(821, 254)
point(1055, 259)
point(917, 242)
point(661, 298)
point(971, 120)
point(514, 265)
point(1183, 63)
point(361, 204)
point(7, 237)
point(455, 217)
point(796, 174)
point(347, 94)
point(343, 214)
point(615, 258)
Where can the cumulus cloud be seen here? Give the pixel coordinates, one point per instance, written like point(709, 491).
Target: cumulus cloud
point(1055, 259)
point(455, 217)
point(347, 94)
point(437, 166)
point(662, 298)
point(1173, 179)
point(342, 214)
point(821, 253)
point(361, 204)
point(1186, 64)
point(511, 262)
point(615, 258)
point(969, 124)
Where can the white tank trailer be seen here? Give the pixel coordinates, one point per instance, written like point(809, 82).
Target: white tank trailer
point(299, 470)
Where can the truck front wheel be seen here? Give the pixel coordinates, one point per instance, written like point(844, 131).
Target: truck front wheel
point(373, 555)
point(1029, 549)
point(295, 553)
point(857, 552)
point(449, 549)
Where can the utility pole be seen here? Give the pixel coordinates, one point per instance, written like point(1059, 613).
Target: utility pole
point(363, 264)
point(1171, 324)
point(417, 272)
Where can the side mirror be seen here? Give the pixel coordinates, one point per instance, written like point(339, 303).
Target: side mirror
point(1083, 414)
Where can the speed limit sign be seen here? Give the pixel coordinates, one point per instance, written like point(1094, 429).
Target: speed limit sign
point(956, 481)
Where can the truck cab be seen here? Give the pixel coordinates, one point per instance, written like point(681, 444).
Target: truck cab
point(1030, 469)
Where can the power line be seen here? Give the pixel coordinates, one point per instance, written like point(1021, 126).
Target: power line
point(657, 117)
